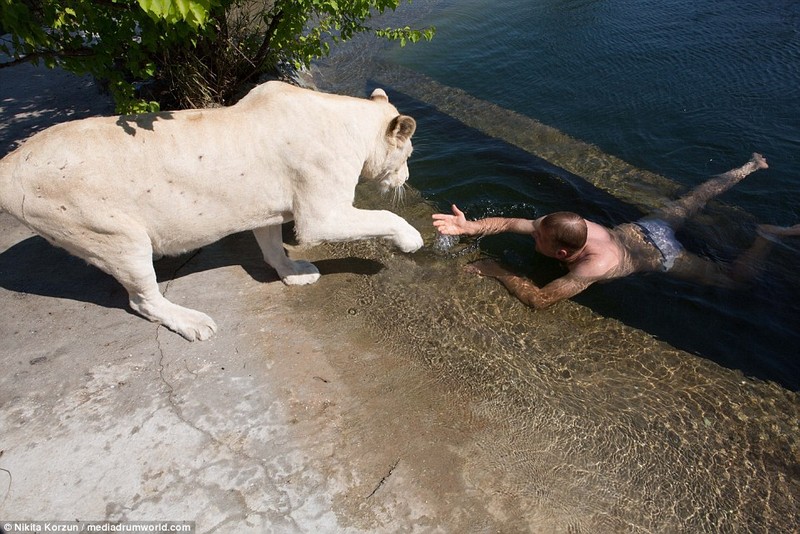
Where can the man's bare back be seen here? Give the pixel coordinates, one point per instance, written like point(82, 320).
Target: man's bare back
point(605, 255)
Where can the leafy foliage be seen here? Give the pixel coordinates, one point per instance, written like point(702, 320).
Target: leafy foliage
point(183, 53)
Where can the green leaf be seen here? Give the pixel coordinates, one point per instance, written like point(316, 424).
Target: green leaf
point(193, 12)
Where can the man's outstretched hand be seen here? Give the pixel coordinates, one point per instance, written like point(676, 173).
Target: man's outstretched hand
point(455, 224)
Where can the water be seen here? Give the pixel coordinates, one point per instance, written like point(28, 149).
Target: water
point(646, 99)
point(444, 243)
point(680, 88)
point(608, 109)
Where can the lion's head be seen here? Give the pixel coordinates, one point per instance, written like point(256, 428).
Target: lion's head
point(389, 166)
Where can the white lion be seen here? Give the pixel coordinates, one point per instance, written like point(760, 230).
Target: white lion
point(116, 191)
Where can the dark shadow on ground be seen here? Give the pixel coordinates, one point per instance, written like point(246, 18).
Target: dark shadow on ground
point(34, 266)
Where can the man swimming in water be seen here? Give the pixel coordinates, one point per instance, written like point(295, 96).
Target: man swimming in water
point(594, 253)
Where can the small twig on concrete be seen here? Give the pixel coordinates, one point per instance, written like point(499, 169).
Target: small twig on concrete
point(383, 480)
point(10, 481)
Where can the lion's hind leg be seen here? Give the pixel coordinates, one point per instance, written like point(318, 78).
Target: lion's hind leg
point(125, 252)
point(291, 272)
point(147, 300)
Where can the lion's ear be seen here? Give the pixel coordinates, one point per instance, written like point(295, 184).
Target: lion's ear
point(402, 128)
point(379, 95)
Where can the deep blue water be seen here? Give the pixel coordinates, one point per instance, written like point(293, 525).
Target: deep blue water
point(679, 87)
point(682, 88)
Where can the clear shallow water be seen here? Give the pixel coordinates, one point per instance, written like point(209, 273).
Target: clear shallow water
point(679, 89)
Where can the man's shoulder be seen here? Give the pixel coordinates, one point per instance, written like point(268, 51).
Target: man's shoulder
point(600, 260)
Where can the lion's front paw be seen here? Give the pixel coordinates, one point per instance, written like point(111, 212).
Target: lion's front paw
point(409, 241)
point(300, 273)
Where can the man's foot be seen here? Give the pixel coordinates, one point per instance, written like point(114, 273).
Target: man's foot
point(759, 161)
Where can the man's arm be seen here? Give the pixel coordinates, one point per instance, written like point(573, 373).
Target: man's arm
point(526, 291)
point(457, 224)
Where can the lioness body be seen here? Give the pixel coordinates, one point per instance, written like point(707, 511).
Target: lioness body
point(117, 190)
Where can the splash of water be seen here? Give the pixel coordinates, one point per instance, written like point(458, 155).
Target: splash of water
point(443, 243)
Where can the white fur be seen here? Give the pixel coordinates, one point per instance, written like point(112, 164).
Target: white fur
point(117, 191)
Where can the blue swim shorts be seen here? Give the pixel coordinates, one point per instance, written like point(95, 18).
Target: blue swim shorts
point(662, 236)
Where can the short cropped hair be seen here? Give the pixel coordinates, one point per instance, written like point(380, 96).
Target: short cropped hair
point(567, 229)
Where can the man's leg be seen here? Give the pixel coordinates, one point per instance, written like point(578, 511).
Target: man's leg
point(744, 268)
point(751, 261)
point(700, 270)
point(678, 211)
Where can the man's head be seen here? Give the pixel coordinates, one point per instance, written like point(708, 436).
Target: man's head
point(560, 234)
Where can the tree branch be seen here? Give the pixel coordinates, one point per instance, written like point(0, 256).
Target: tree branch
point(263, 50)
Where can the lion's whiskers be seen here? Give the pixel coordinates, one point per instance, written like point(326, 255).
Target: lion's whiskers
point(399, 195)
